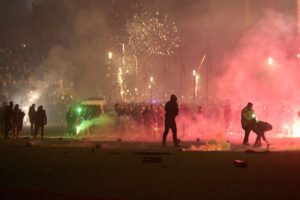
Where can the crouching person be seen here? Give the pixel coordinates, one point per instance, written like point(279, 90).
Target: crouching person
point(260, 128)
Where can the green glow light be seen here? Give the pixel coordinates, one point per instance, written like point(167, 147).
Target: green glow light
point(79, 110)
point(103, 121)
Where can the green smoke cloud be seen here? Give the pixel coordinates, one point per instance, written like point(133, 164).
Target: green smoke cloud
point(105, 120)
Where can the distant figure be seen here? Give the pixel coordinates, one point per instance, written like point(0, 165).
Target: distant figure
point(40, 121)
point(260, 128)
point(17, 121)
point(171, 109)
point(8, 119)
point(2, 113)
point(32, 114)
point(248, 120)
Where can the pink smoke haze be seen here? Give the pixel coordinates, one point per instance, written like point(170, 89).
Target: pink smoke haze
point(264, 70)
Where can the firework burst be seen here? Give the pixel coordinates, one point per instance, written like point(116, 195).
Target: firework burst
point(152, 34)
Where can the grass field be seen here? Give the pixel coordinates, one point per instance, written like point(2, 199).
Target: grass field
point(74, 169)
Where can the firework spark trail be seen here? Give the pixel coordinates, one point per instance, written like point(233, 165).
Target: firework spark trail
point(152, 35)
point(149, 34)
point(121, 82)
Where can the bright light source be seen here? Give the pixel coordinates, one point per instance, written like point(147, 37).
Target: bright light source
point(33, 96)
point(149, 86)
point(151, 79)
point(110, 55)
point(286, 127)
point(194, 72)
point(270, 61)
point(298, 55)
point(296, 128)
point(79, 110)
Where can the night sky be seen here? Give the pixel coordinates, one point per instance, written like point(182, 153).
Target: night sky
point(15, 7)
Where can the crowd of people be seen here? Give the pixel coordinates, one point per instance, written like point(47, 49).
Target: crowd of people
point(146, 120)
point(12, 120)
point(147, 115)
point(153, 117)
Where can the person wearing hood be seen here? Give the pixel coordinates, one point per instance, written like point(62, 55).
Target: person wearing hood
point(171, 111)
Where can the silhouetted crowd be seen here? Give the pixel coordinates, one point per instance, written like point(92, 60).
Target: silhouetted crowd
point(147, 115)
point(152, 116)
point(12, 120)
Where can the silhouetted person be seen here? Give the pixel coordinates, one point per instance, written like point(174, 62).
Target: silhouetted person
point(2, 113)
point(40, 121)
point(260, 128)
point(248, 120)
point(32, 114)
point(8, 119)
point(17, 121)
point(171, 109)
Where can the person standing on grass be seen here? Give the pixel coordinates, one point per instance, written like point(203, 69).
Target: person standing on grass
point(171, 111)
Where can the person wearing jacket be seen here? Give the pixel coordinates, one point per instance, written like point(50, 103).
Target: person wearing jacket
point(248, 120)
point(171, 111)
point(40, 121)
